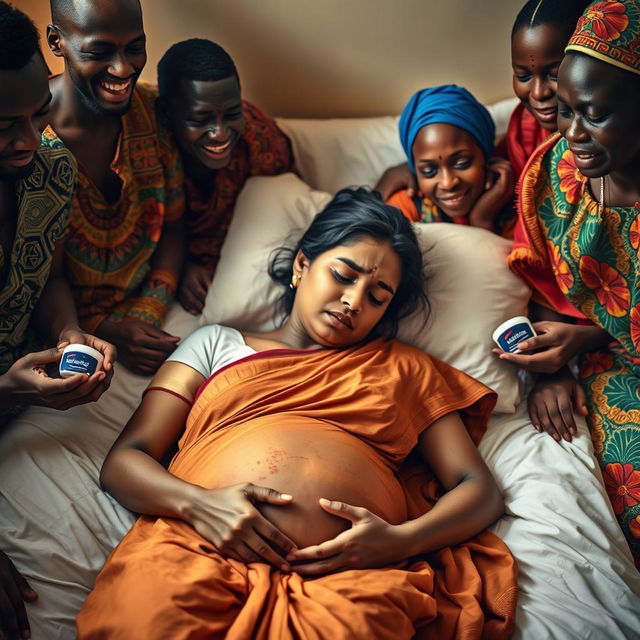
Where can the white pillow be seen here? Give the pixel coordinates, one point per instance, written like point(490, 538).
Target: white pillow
point(344, 152)
point(268, 210)
point(470, 289)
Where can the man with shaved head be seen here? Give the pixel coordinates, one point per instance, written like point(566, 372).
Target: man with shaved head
point(125, 246)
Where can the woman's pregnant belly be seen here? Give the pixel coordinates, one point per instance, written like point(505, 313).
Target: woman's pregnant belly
point(309, 459)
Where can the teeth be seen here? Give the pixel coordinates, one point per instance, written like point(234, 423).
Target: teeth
point(116, 86)
point(219, 149)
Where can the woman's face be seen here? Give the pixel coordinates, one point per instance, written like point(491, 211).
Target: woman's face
point(342, 295)
point(598, 113)
point(450, 168)
point(536, 54)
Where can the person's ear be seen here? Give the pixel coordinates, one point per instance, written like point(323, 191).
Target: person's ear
point(54, 38)
point(300, 263)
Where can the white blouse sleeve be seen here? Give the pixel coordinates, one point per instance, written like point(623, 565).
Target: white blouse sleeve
point(209, 348)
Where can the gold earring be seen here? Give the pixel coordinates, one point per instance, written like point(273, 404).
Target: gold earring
point(295, 280)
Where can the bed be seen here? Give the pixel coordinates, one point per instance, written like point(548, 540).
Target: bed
point(577, 579)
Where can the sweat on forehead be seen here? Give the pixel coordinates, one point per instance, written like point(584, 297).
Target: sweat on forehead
point(91, 13)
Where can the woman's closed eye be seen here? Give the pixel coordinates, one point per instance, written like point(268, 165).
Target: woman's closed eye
point(340, 278)
point(374, 301)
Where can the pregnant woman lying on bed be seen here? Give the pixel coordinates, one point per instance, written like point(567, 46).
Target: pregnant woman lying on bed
point(326, 478)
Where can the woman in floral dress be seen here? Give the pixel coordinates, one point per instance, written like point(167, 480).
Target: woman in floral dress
point(577, 243)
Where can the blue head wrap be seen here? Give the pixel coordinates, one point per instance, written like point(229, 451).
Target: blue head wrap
point(447, 104)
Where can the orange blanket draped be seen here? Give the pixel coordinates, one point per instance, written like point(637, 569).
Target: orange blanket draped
point(369, 402)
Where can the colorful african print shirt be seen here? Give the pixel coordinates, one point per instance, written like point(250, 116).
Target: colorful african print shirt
point(263, 150)
point(44, 201)
point(110, 246)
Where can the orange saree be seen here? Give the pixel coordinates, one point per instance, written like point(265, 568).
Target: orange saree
point(338, 423)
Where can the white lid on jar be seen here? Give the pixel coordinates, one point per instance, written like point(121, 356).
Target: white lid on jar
point(511, 322)
point(83, 348)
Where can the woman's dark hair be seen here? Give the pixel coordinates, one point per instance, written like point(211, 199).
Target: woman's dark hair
point(193, 59)
point(562, 14)
point(352, 215)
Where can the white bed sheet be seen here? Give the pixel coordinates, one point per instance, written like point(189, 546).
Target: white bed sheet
point(577, 580)
point(576, 576)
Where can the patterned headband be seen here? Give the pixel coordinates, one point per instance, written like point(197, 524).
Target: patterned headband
point(610, 31)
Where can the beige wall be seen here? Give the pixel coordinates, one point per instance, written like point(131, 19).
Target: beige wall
point(338, 57)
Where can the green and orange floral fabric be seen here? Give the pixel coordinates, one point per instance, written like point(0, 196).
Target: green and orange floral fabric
point(584, 260)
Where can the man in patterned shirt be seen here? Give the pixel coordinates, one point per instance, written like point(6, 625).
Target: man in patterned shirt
point(125, 247)
point(223, 141)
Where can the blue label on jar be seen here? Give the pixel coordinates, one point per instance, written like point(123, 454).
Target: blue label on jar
point(76, 362)
point(513, 336)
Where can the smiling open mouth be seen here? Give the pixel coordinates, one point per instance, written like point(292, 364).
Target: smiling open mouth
point(548, 113)
point(218, 149)
point(116, 89)
point(453, 200)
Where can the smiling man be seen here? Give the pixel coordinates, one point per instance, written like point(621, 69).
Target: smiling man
point(223, 141)
point(125, 247)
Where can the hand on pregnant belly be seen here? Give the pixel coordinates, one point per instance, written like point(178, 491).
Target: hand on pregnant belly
point(228, 518)
point(370, 542)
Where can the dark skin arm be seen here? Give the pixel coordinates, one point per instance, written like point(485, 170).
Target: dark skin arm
point(196, 280)
point(27, 382)
point(471, 503)
point(225, 516)
point(558, 341)
point(556, 394)
point(396, 179)
point(141, 346)
point(14, 592)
